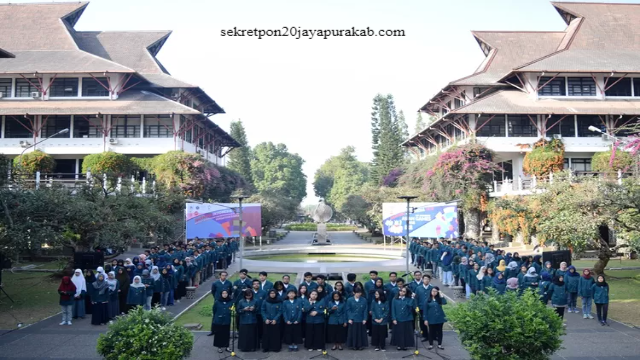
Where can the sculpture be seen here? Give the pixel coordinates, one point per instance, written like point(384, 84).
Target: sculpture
point(321, 215)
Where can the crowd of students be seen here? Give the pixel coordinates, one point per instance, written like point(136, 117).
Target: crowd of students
point(317, 314)
point(156, 277)
point(479, 267)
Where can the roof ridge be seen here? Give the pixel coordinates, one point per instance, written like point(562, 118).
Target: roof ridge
point(45, 3)
point(482, 98)
point(591, 3)
point(517, 32)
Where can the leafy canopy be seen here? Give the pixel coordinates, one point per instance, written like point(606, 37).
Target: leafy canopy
point(275, 169)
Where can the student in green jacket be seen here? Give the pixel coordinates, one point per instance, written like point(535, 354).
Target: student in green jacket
point(499, 283)
point(271, 318)
point(379, 310)
point(337, 324)
point(600, 294)
point(584, 290)
point(148, 284)
point(137, 294)
point(221, 321)
point(543, 288)
point(559, 296)
point(487, 280)
point(572, 278)
point(434, 317)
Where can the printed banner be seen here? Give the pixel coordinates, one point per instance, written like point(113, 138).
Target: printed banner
point(428, 220)
point(222, 220)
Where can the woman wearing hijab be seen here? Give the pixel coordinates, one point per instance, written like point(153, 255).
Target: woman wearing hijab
point(292, 317)
point(357, 313)
point(559, 296)
point(67, 290)
point(476, 279)
point(600, 294)
point(138, 270)
point(337, 334)
point(433, 316)
point(148, 284)
point(156, 276)
point(136, 293)
point(572, 278)
point(512, 284)
point(512, 270)
point(502, 267)
point(455, 270)
point(221, 324)
point(271, 318)
point(248, 333)
point(402, 317)
point(537, 263)
point(100, 270)
point(81, 292)
point(130, 271)
point(543, 288)
point(531, 279)
point(167, 287)
point(177, 276)
point(114, 301)
point(89, 278)
point(487, 280)
point(499, 283)
point(584, 290)
point(548, 269)
point(563, 269)
point(379, 309)
point(463, 273)
point(100, 301)
point(123, 292)
point(314, 332)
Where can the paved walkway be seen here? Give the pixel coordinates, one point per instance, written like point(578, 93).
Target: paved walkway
point(585, 339)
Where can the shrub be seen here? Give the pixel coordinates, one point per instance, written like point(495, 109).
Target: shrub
point(145, 335)
point(545, 158)
point(34, 161)
point(314, 227)
point(107, 162)
point(142, 164)
point(603, 162)
point(507, 327)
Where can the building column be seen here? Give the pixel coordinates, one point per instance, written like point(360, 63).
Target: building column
point(2, 128)
point(141, 126)
point(71, 126)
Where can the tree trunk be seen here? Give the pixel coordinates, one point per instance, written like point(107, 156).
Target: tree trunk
point(472, 223)
point(604, 254)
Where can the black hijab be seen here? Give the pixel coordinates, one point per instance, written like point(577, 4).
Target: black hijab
point(603, 283)
point(274, 300)
point(557, 281)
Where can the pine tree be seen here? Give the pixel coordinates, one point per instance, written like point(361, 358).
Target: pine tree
point(388, 131)
point(240, 159)
point(420, 123)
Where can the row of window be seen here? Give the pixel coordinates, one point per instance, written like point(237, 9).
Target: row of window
point(586, 86)
point(575, 164)
point(61, 87)
point(522, 126)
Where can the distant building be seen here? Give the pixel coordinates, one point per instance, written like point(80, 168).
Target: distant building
point(544, 84)
point(107, 87)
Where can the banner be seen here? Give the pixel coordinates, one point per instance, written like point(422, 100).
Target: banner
point(221, 220)
point(428, 220)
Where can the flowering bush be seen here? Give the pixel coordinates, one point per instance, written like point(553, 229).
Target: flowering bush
point(34, 161)
point(611, 161)
point(545, 158)
point(145, 335)
point(515, 215)
point(187, 171)
point(392, 178)
point(108, 162)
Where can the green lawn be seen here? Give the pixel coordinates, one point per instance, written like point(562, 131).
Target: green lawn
point(35, 295)
point(319, 258)
point(624, 296)
point(582, 264)
point(382, 274)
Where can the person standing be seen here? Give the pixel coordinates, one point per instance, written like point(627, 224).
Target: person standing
point(572, 278)
point(584, 290)
point(221, 321)
point(123, 293)
point(271, 311)
point(292, 317)
point(148, 284)
point(314, 333)
point(357, 318)
point(402, 317)
point(81, 292)
point(433, 317)
point(114, 302)
point(137, 293)
point(543, 288)
point(100, 301)
point(248, 333)
point(600, 294)
point(379, 309)
point(337, 334)
point(558, 292)
point(89, 278)
point(67, 291)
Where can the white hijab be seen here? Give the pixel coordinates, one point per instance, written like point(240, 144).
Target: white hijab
point(100, 270)
point(79, 282)
point(138, 285)
point(113, 283)
point(481, 273)
point(155, 276)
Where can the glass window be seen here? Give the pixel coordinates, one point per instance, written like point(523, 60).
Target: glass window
point(566, 164)
point(636, 86)
point(521, 126)
point(621, 88)
point(566, 127)
point(187, 131)
point(87, 126)
point(582, 86)
point(91, 87)
point(65, 168)
point(24, 88)
point(125, 126)
point(64, 87)
point(15, 127)
point(580, 164)
point(495, 127)
point(53, 124)
point(555, 87)
point(158, 126)
point(584, 121)
point(5, 87)
point(458, 103)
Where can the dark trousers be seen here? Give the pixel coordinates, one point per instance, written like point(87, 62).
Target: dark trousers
point(456, 280)
point(435, 333)
point(424, 329)
point(560, 311)
point(602, 310)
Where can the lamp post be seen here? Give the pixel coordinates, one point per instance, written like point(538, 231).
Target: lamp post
point(408, 199)
point(240, 225)
point(63, 131)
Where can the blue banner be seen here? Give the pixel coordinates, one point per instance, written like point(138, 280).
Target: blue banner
point(428, 220)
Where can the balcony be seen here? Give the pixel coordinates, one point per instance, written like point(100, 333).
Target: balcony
point(528, 186)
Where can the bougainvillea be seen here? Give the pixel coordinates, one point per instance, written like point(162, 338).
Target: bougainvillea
point(34, 161)
point(392, 178)
point(516, 215)
point(611, 161)
point(546, 157)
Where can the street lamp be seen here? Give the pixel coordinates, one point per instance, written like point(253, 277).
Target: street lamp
point(63, 131)
point(240, 237)
point(408, 199)
point(595, 129)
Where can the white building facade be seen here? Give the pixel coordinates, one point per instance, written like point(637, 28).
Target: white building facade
point(107, 88)
point(535, 85)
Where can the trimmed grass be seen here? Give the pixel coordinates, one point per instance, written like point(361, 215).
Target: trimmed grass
point(624, 296)
point(583, 264)
point(381, 274)
point(35, 295)
point(318, 257)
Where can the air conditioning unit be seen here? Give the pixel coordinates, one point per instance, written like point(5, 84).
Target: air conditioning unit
point(36, 94)
point(24, 143)
point(113, 141)
point(1, 94)
point(557, 136)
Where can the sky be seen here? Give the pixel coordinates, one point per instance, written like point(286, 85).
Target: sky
point(315, 95)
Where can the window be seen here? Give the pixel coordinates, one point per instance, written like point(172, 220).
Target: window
point(5, 87)
point(458, 103)
point(64, 87)
point(636, 86)
point(183, 125)
point(87, 126)
point(582, 86)
point(555, 87)
point(621, 88)
point(566, 127)
point(91, 87)
point(159, 126)
point(15, 127)
point(580, 164)
point(24, 88)
point(65, 168)
point(53, 124)
point(521, 126)
point(566, 164)
point(506, 171)
point(125, 126)
point(495, 127)
point(584, 121)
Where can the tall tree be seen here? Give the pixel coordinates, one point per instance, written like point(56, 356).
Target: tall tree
point(340, 176)
point(275, 169)
point(388, 153)
point(420, 123)
point(240, 159)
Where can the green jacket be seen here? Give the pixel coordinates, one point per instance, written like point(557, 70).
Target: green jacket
point(433, 312)
point(558, 294)
point(600, 294)
point(584, 286)
point(272, 311)
point(379, 311)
